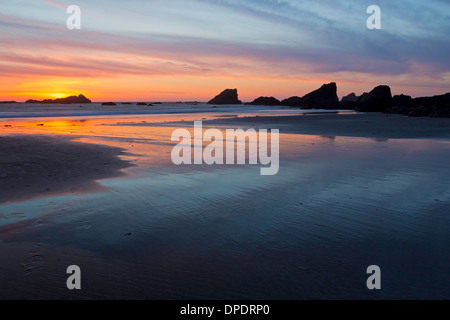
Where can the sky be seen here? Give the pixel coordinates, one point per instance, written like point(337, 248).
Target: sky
point(184, 50)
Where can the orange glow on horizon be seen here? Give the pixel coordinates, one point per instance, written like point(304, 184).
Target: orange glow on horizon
point(128, 88)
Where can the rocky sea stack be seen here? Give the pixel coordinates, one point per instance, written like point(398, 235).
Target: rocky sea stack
point(377, 100)
point(265, 101)
point(229, 96)
point(349, 102)
point(323, 98)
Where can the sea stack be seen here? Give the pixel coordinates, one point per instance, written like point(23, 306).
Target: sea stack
point(377, 100)
point(349, 102)
point(229, 96)
point(323, 98)
point(265, 101)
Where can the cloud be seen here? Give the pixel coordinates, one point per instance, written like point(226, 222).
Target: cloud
point(56, 4)
point(286, 39)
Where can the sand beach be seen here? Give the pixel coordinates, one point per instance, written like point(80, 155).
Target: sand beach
point(103, 193)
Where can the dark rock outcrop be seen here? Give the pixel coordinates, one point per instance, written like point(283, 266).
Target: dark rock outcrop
point(442, 111)
point(265, 101)
point(401, 104)
point(349, 102)
point(378, 100)
point(420, 111)
point(323, 98)
point(436, 106)
point(229, 96)
point(109, 104)
point(402, 101)
point(292, 102)
point(69, 100)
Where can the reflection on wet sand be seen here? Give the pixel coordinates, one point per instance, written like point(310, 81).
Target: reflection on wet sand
point(336, 206)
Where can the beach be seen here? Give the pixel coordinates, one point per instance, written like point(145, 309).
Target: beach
point(36, 166)
point(353, 190)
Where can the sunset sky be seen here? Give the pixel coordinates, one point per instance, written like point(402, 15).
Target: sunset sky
point(181, 50)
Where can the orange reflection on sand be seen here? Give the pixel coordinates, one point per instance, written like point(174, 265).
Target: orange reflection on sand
point(88, 125)
point(147, 139)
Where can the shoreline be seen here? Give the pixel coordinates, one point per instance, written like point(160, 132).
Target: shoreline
point(35, 166)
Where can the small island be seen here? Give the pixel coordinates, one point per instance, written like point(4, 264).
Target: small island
point(228, 96)
point(69, 100)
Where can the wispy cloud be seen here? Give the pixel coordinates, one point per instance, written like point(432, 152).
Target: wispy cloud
point(56, 4)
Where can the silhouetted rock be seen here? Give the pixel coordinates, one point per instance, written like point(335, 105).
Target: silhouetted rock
point(436, 106)
point(402, 101)
point(401, 104)
point(69, 100)
point(323, 98)
point(265, 101)
point(435, 100)
point(189, 102)
point(229, 96)
point(378, 100)
point(109, 104)
point(442, 111)
point(398, 110)
point(420, 111)
point(141, 104)
point(292, 102)
point(349, 102)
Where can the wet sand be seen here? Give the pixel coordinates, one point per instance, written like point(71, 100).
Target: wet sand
point(375, 125)
point(177, 233)
point(34, 166)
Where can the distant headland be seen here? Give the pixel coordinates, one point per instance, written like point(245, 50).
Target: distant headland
point(69, 100)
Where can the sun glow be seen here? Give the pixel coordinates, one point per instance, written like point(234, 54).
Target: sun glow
point(59, 95)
